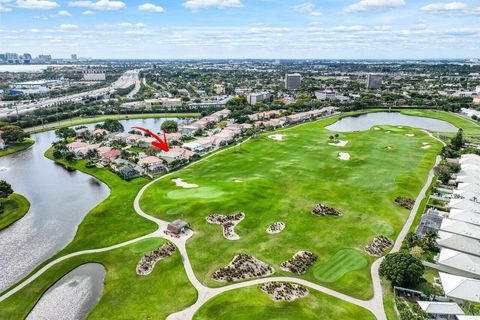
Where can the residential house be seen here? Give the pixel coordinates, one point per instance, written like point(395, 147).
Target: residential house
point(461, 261)
point(460, 289)
point(108, 157)
point(458, 242)
point(127, 172)
point(440, 310)
point(176, 153)
point(152, 165)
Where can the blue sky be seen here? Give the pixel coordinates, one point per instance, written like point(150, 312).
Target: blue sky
point(343, 29)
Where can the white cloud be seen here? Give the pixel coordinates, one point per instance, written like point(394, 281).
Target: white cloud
point(4, 8)
point(308, 8)
point(365, 5)
point(99, 5)
point(68, 26)
point(64, 13)
point(150, 7)
point(220, 4)
point(88, 13)
point(349, 28)
point(37, 4)
point(139, 25)
point(444, 6)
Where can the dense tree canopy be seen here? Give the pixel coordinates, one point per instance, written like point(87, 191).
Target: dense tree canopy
point(169, 126)
point(402, 269)
point(5, 189)
point(111, 125)
point(65, 133)
point(12, 133)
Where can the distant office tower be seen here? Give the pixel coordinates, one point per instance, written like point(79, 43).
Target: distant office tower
point(27, 57)
point(253, 98)
point(374, 81)
point(293, 81)
point(477, 89)
point(73, 57)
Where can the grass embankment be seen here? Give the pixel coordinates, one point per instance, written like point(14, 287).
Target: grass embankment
point(85, 120)
point(126, 294)
point(282, 181)
point(14, 208)
point(252, 303)
point(112, 221)
point(16, 147)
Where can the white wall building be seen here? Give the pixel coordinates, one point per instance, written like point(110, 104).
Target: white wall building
point(293, 81)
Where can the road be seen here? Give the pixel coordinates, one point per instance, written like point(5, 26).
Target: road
point(129, 78)
point(374, 305)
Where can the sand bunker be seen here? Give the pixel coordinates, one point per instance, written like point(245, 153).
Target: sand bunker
point(237, 180)
point(409, 134)
point(376, 128)
point(425, 145)
point(341, 143)
point(284, 291)
point(388, 131)
point(180, 183)
point(300, 262)
point(228, 223)
point(278, 137)
point(147, 263)
point(276, 227)
point(388, 148)
point(243, 266)
point(344, 156)
point(378, 246)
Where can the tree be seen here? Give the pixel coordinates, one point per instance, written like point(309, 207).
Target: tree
point(5, 189)
point(412, 240)
point(169, 126)
point(65, 133)
point(111, 125)
point(70, 156)
point(402, 269)
point(429, 241)
point(92, 154)
point(417, 252)
point(12, 134)
point(457, 141)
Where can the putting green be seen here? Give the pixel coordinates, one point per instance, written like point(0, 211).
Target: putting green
point(341, 263)
point(198, 193)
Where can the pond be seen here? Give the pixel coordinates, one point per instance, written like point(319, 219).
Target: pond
point(73, 296)
point(59, 199)
point(366, 121)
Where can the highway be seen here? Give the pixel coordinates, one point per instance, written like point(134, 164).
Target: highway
point(130, 77)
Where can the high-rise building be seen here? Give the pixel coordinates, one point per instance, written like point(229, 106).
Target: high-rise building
point(293, 81)
point(74, 57)
point(374, 81)
point(27, 58)
point(253, 98)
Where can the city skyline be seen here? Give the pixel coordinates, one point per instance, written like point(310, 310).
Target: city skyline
point(346, 29)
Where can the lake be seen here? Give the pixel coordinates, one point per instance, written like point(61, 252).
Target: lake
point(366, 121)
point(59, 199)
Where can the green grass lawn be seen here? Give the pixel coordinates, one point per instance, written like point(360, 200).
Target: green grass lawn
point(112, 221)
point(126, 295)
point(14, 208)
point(282, 181)
point(252, 303)
point(16, 147)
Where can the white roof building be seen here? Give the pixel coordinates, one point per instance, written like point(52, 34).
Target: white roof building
point(464, 317)
point(465, 204)
point(433, 307)
point(458, 243)
point(472, 187)
point(459, 260)
point(461, 228)
point(465, 216)
point(467, 178)
point(461, 288)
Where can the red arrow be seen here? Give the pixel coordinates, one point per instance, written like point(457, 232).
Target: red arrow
point(160, 144)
